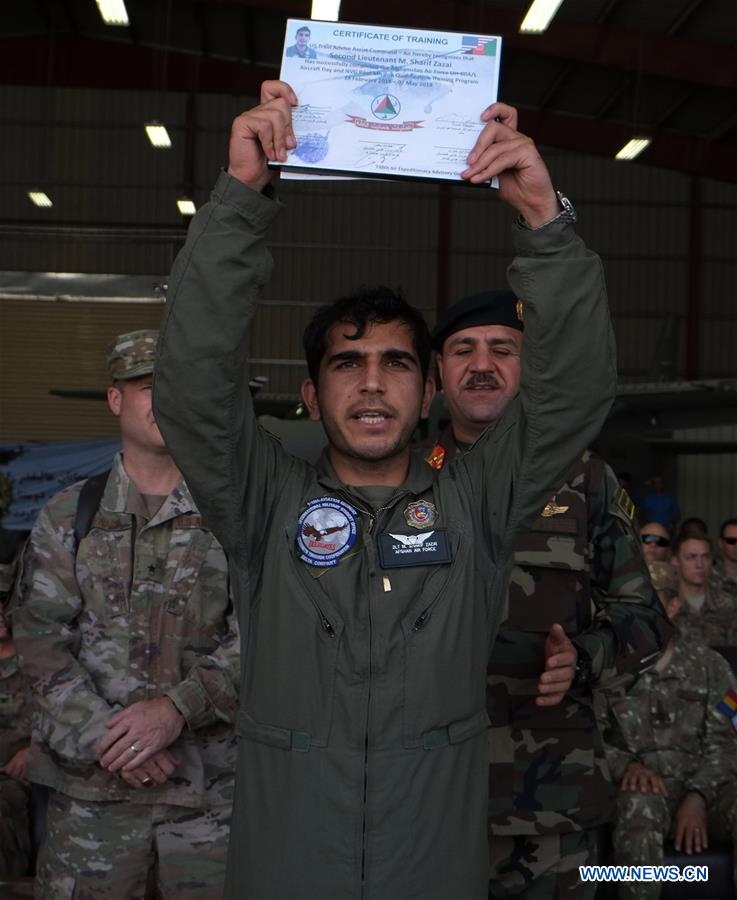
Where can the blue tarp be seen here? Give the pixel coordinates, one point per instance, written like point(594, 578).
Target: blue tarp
point(41, 469)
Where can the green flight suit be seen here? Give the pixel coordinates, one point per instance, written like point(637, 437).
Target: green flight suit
point(363, 762)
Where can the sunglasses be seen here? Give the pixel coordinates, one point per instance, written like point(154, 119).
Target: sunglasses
point(730, 540)
point(655, 539)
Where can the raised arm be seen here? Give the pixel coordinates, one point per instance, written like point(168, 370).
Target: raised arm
point(568, 357)
point(201, 397)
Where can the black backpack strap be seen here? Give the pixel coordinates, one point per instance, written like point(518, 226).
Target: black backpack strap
point(88, 504)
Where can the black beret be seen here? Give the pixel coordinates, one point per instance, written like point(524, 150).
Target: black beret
point(486, 308)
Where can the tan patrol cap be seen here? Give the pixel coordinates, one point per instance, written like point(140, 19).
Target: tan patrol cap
point(132, 355)
point(663, 576)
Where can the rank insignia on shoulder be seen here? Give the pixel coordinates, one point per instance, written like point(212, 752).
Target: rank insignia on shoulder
point(624, 502)
point(519, 309)
point(326, 531)
point(421, 514)
point(436, 457)
point(728, 705)
point(553, 509)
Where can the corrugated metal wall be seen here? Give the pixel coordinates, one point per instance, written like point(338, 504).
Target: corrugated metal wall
point(707, 483)
point(51, 345)
point(332, 237)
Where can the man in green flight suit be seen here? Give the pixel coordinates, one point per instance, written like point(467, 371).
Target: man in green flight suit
point(579, 574)
point(369, 587)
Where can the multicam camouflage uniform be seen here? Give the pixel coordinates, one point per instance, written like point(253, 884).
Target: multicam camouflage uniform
point(15, 733)
point(670, 723)
point(581, 566)
point(141, 611)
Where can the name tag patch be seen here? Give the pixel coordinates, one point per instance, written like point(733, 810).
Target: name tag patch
point(428, 548)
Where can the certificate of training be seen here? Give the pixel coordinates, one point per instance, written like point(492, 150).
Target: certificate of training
point(387, 102)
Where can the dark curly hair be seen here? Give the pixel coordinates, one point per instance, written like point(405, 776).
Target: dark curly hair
point(367, 306)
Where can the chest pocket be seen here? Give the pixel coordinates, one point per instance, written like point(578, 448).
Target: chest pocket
point(446, 646)
point(11, 704)
point(550, 579)
point(188, 549)
point(103, 567)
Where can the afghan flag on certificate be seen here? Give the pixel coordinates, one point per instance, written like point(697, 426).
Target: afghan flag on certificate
point(478, 46)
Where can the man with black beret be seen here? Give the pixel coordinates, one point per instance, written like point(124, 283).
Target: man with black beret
point(581, 614)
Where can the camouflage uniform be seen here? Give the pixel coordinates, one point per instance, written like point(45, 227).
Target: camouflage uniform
point(723, 582)
point(141, 611)
point(15, 732)
point(715, 624)
point(581, 566)
point(670, 723)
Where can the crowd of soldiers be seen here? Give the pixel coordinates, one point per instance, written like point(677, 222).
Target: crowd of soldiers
point(605, 706)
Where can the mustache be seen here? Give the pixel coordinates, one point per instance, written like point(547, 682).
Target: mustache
point(483, 379)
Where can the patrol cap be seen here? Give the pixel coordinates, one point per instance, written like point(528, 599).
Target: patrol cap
point(132, 355)
point(485, 308)
point(663, 576)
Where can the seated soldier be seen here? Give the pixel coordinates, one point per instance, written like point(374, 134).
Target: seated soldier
point(15, 731)
point(708, 613)
point(672, 752)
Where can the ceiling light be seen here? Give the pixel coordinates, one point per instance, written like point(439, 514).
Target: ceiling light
point(40, 198)
point(186, 207)
point(539, 16)
point(113, 12)
point(158, 135)
point(328, 10)
point(633, 148)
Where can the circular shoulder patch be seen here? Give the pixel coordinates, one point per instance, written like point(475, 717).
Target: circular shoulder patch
point(326, 531)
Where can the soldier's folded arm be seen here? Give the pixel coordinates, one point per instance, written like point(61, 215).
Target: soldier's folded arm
point(629, 628)
point(209, 691)
point(72, 712)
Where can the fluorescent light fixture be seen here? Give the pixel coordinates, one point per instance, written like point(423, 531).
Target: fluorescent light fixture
point(186, 207)
point(327, 10)
point(158, 135)
point(633, 148)
point(113, 12)
point(40, 198)
point(539, 16)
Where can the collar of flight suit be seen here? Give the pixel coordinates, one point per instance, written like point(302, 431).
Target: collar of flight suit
point(420, 477)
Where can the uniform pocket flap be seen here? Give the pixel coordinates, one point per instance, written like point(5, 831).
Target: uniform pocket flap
point(456, 732)
point(272, 735)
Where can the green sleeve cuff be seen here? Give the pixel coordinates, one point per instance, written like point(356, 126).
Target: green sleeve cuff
point(193, 704)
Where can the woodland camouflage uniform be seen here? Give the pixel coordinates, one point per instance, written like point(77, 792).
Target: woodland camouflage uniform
point(580, 565)
point(670, 722)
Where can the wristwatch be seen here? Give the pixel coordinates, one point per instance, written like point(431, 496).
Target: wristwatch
point(583, 673)
point(567, 215)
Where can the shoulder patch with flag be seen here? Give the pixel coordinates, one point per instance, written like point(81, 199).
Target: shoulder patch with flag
point(728, 705)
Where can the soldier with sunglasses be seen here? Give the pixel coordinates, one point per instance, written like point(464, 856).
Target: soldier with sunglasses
point(655, 542)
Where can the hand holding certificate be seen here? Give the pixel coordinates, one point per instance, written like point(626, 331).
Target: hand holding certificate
point(387, 102)
point(263, 136)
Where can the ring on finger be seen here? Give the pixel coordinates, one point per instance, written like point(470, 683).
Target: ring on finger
point(134, 748)
point(147, 781)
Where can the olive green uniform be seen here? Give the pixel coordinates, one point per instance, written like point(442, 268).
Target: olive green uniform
point(362, 769)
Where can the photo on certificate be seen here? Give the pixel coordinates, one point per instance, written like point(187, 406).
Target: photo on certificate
point(386, 102)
